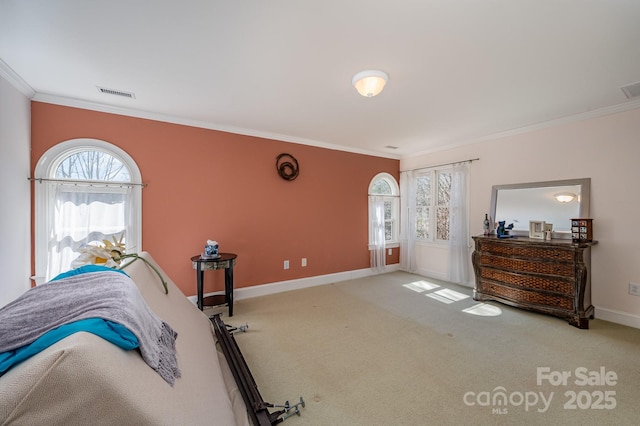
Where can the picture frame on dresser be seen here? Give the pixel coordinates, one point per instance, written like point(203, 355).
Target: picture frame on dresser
point(536, 229)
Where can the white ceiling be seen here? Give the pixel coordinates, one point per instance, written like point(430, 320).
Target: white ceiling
point(460, 71)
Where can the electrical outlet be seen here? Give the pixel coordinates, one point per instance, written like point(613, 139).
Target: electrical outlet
point(390, 252)
point(634, 289)
point(286, 264)
point(304, 261)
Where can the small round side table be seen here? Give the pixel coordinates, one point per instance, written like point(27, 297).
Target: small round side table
point(224, 261)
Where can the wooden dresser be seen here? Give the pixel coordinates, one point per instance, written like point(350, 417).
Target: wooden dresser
point(547, 276)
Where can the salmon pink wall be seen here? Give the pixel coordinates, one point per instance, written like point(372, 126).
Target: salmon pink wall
point(206, 184)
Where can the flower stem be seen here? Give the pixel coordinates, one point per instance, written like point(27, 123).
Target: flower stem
point(135, 257)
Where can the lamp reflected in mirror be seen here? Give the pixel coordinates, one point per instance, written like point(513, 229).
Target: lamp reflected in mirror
point(564, 197)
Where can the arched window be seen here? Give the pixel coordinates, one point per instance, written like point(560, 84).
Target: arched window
point(384, 192)
point(86, 191)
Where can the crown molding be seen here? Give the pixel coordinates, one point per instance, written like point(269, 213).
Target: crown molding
point(600, 112)
point(15, 80)
point(131, 112)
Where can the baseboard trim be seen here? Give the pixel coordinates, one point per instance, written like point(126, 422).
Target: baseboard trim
point(281, 286)
point(618, 317)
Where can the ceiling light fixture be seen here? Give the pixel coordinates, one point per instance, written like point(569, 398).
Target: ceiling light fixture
point(564, 197)
point(370, 83)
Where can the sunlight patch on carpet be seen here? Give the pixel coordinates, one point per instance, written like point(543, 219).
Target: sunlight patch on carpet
point(420, 286)
point(484, 310)
point(447, 296)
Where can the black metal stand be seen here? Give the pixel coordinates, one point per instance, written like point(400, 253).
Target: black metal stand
point(258, 409)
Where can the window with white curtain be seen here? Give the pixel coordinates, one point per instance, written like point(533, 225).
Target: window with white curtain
point(383, 218)
point(435, 209)
point(87, 191)
point(385, 188)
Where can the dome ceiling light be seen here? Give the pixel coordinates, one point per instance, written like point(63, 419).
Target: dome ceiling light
point(370, 83)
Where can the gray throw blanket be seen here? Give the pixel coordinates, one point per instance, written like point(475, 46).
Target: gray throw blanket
point(108, 295)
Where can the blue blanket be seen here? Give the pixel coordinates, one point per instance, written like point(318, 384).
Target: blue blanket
point(110, 331)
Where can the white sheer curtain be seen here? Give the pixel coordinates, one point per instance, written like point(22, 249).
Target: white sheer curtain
point(459, 225)
point(376, 211)
point(407, 221)
point(84, 214)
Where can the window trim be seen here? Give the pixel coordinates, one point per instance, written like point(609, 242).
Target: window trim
point(45, 169)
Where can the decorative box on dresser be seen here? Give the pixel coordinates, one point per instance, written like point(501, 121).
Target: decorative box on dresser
point(547, 276)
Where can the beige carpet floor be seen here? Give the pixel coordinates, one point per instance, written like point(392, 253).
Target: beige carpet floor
point(401, 349)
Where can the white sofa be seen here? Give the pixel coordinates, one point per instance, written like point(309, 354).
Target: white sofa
point(84, 380)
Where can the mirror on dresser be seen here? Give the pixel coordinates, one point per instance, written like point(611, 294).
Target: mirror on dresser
point(539, 201)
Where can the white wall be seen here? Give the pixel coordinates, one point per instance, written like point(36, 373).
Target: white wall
point(432, 260)
point(606, 149)
point(15, 213)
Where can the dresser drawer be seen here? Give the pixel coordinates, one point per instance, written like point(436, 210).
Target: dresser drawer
point(528, 297)
point(564, 286)
point(520, 265)
point(528, 252)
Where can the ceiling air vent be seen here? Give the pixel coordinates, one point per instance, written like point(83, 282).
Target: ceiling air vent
point(631, 90)
point(116, 92)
